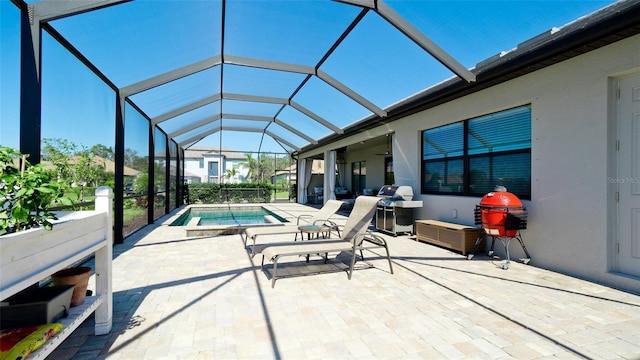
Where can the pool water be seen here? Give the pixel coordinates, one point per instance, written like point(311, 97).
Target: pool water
point(226, 216)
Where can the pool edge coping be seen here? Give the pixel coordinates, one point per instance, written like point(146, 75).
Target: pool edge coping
point(192, 229)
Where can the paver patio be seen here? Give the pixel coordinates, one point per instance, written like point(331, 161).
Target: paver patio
point(206, 298)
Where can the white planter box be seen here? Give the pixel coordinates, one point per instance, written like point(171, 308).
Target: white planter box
point(32, 255)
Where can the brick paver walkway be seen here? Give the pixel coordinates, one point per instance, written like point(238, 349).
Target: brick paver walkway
point(206, 298)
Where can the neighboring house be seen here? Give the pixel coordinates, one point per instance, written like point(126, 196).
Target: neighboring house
point(108, 165)
point(130, 174)
point(207, 164)
point(191, 178)
point(290, 174)
point(576, 159)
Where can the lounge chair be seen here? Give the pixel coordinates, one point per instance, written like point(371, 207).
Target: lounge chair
point(320, 218)
point(355, 238)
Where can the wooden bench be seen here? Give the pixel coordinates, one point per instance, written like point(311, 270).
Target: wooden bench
point(449, 235)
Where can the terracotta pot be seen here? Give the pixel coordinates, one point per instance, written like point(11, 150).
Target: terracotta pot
point(78, 276)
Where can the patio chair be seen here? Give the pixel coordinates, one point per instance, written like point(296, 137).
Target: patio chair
point(355, 238)
point(320, 218)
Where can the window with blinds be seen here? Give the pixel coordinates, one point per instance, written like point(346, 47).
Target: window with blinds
point(474, 156)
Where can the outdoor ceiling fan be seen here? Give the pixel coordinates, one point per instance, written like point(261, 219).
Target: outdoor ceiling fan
point(388, 152)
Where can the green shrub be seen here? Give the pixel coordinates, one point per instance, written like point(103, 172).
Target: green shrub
point(128, 203)
point(209, 193)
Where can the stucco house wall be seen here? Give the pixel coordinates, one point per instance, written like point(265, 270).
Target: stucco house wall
point(192, 165)
point(224, 163)
point(569, 228)
point(375, 166)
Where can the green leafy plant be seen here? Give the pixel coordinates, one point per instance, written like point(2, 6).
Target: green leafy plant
point(26, 193)
point(210, 193)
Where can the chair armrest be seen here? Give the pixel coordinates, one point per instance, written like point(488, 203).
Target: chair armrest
point(327, 223)
point(375, 239)
point(356, 242)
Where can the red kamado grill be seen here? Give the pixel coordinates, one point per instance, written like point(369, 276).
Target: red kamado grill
point(501, 213)
point(502, 216)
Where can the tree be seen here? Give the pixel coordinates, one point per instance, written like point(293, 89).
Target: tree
point(141, 183)
point(253, 166)
point(73, 164)
point(132, 160)
point(265, 166)
point(231, 173)
point(103, 151)
point(59, 153)
point(282, 184)
point(85, 171)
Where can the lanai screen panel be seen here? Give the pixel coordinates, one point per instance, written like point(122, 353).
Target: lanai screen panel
point(383, 65)
point(311, 67)
point(197, 134)
point(286, 135)
point(330, 104)
point(179, 93)
point(260, 82)
point(252, 108)
point(10, 84)
point(202, 115)
point(320, 66)
point(249, 125)
point(302, 122)
point(295, 32)
point(137, 40)
point(76, 105)
point(258, 142)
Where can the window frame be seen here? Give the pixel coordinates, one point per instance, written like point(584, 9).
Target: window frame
point(213, 168)
point(467, 159)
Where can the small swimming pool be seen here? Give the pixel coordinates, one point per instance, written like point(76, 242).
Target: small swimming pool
point(227, 216)
point(211, 220)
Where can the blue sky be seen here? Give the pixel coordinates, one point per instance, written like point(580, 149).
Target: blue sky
point(77, 106)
